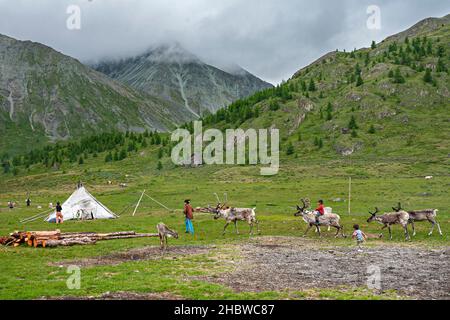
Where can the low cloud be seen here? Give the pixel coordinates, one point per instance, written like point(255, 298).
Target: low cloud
point(270, 38)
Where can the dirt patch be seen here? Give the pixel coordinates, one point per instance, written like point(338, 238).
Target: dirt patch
point(279, 263)
point(121, 296)
point(146, 253)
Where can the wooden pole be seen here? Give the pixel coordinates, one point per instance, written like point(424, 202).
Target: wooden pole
point(139, 202)
point(350, 195)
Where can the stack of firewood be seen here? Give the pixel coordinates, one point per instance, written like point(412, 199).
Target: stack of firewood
point(56, 238)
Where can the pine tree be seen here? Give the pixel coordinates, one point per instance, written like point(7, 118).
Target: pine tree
point(441, 66)
point(354, 134)
point(6, 166)
point(329, 107)
point(320, 143)
point(160, 153)
point(123, 154)
point(81, 160)
point(371, 129)
point(312, 85)
point(316, 141)
point(290, 149)
point(398, 78)
point(159, 166)
point(374, 45)
point(440, 51)
point(303, 85)
point(359, 81)
point(357, 70)
point(428, 78)
point(352, 124)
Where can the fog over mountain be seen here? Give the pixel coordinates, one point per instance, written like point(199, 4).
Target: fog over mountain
point(271, 39)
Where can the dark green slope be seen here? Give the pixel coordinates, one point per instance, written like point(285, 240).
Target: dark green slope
point(397, 93)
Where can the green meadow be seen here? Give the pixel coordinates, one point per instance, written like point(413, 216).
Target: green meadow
point(30, 273)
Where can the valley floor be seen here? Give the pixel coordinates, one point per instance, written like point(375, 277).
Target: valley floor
point(277, 264)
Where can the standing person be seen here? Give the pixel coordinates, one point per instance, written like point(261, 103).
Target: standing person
point(189, 215)
point(10, 205)
point(359, 236)
point(28, 202)
point(320, 211)
point(59, 215)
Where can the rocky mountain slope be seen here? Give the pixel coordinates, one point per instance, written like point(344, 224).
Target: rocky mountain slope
point(47, 96)
point(174, 74)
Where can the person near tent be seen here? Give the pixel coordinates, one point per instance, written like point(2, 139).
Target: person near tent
point(59, 215)
point(189, 216)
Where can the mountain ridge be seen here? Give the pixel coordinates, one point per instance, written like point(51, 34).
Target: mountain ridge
point(179, 77)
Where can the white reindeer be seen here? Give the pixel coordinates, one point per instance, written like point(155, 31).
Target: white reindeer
point(233, 215)
point(328, 219)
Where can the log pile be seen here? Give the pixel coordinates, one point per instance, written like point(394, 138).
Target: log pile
point(55, 238)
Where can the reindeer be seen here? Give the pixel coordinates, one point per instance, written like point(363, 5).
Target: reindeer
point(164, 233)
point(328, 219)
point(391, 218)
point(233, 215)
point(421, 215)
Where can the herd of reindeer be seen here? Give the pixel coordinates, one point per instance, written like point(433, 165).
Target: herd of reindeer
point(398, 216)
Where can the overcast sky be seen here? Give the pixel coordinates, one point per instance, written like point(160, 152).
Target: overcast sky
point(270, 38)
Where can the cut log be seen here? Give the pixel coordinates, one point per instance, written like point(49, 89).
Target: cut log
point(138, 235)
point(69, 242)
point(55, 233)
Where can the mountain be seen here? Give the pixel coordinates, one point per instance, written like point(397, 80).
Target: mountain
point(389, 100)
point(48, 96)
point(179, 77)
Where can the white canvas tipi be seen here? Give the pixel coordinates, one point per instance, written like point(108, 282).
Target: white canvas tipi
point(81, 205)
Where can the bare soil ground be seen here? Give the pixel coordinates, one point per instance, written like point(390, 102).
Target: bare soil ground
point(279, 263)
point(297, 264)
point(146, 253)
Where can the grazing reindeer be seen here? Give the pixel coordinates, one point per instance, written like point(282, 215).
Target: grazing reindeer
point(164, 233)
point(328, 219)
point(233, 215)
point(421, 215)
point(391, 218)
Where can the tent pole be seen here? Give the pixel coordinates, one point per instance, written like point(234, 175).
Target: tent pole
point(349, 195)
point(158, 203)
point(139, 202)
point(35, 217)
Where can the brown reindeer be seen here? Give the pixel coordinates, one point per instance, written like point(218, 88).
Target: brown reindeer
point(164, 233)
point(328, 219)
point(391, 218)
point(421, 215)
point(233, 215)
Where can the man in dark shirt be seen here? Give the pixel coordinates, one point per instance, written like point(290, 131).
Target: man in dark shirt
point(59, 215)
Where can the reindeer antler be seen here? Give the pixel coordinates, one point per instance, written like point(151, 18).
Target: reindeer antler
point(376, 211)
point(398, 208)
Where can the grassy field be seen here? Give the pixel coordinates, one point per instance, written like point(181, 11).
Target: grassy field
point(29, 273)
